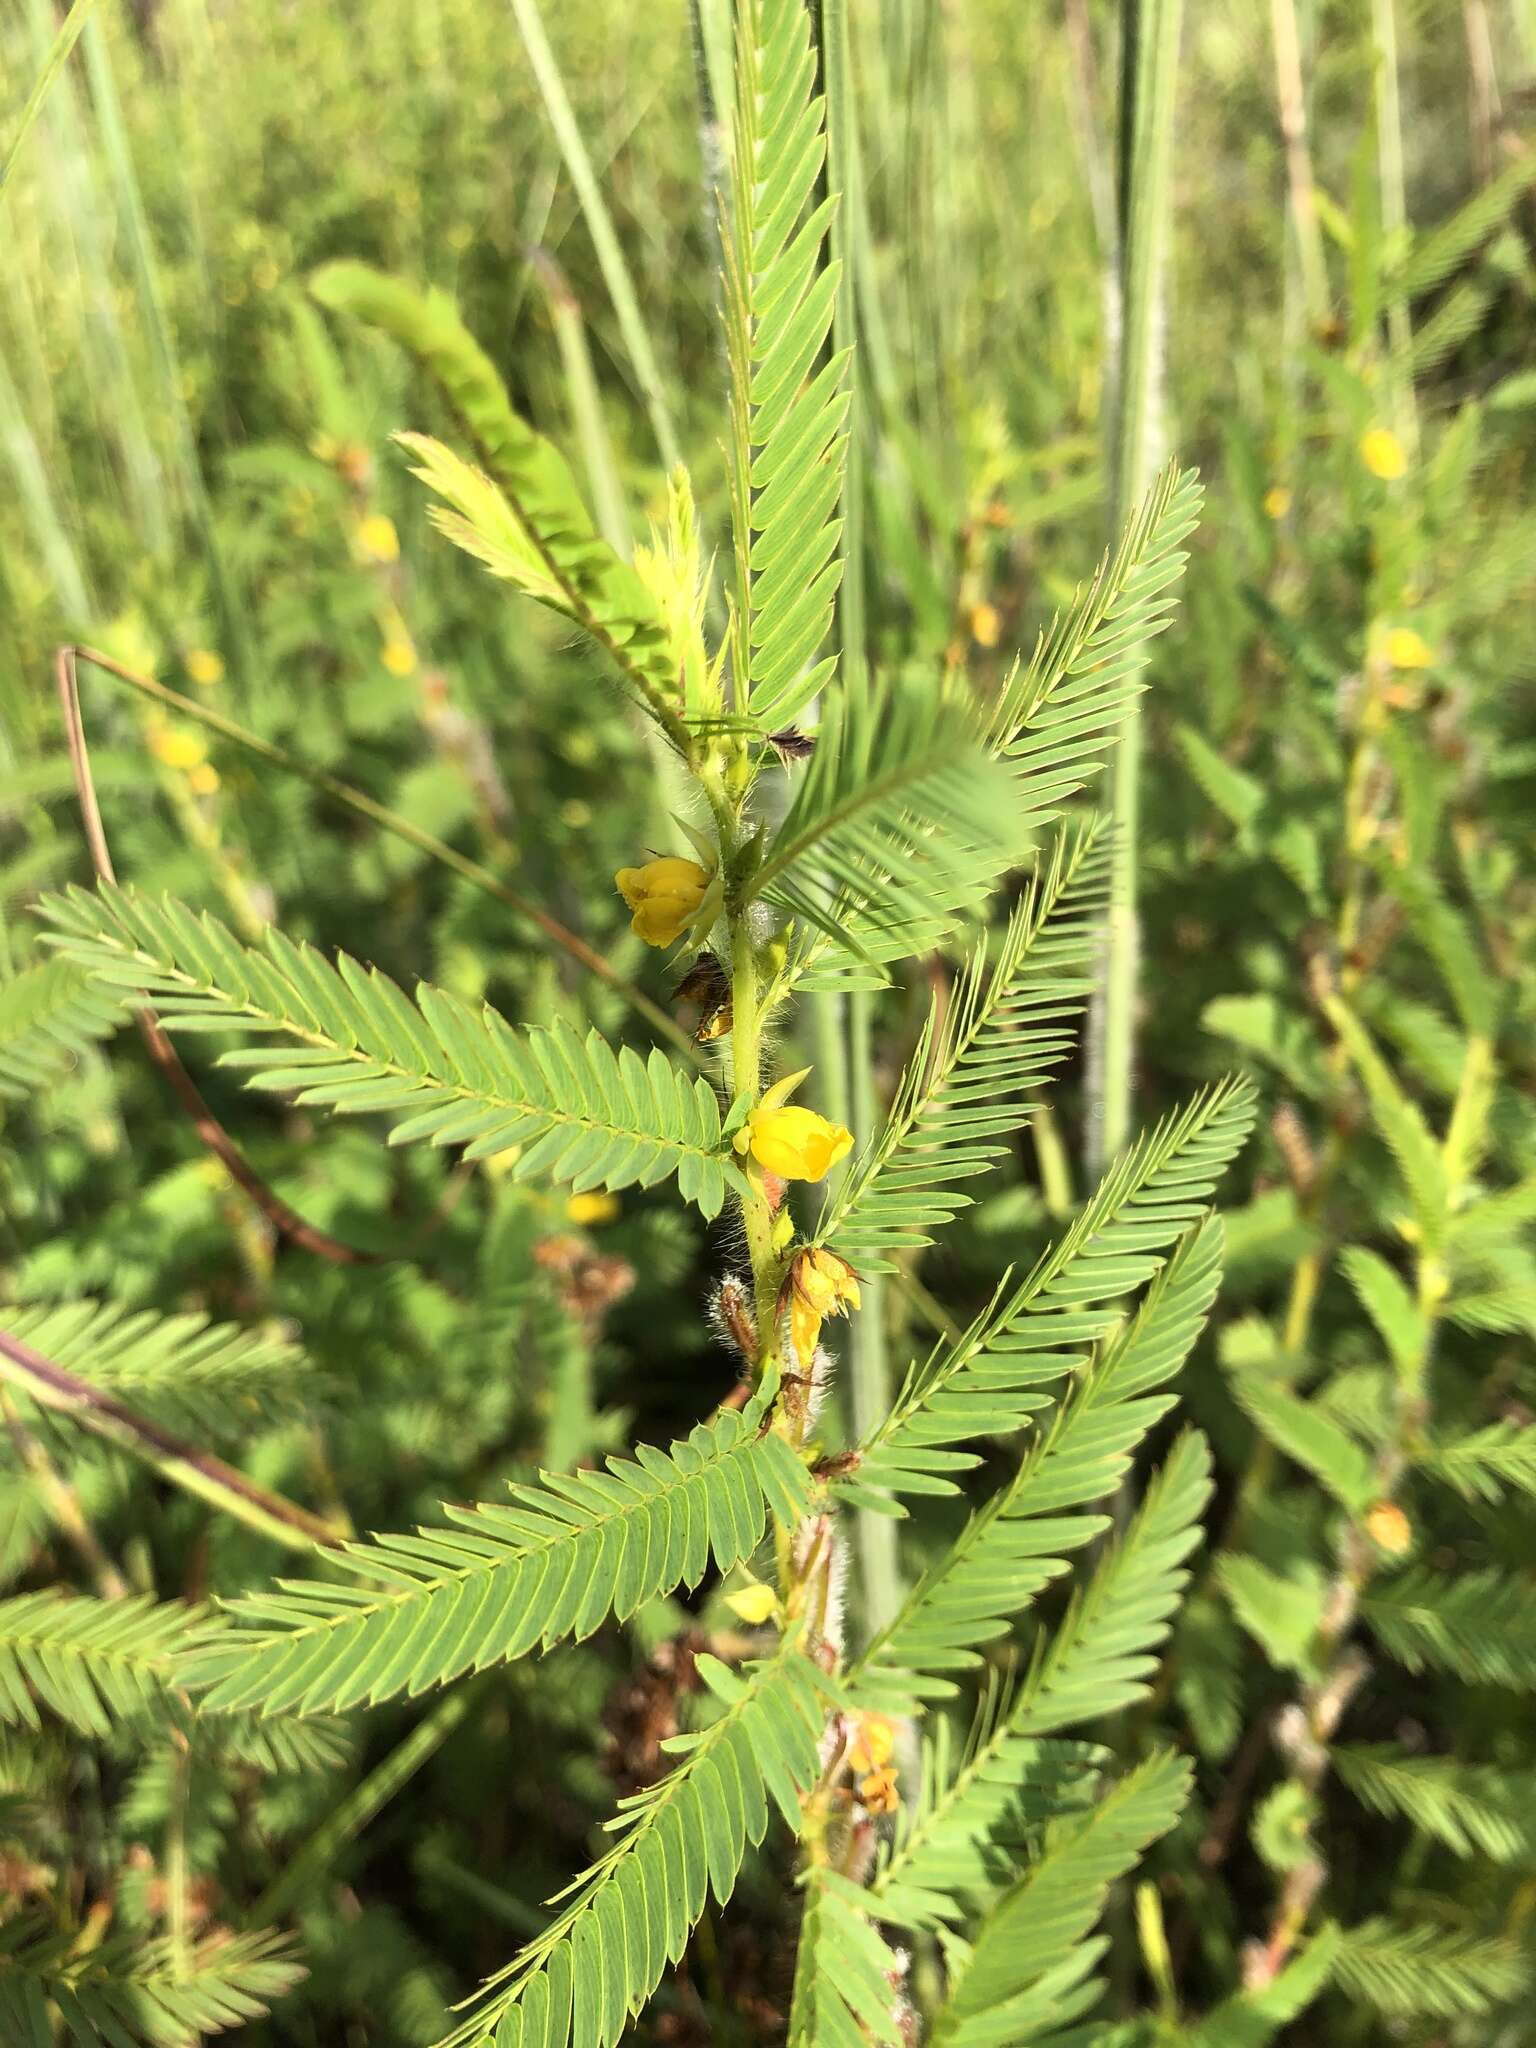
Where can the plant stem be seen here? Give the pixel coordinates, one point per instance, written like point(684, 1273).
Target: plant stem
point(1151, 70)
point(605, 241)
point(63, 43)
point(1394, 214)
point(63, 1504)
point(1290, 91)
point(362, 1803)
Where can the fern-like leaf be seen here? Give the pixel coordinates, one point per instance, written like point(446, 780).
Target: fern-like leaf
point(595, 1966)
point(502, 1581)
point(900, 828)
point(1478, 1626)
point(185, 1366)
point(1068, 702)
point(1032, 1936)
point(1005, 1026)
point(991, 1380)
point(50, 1016)
point(1098, 1660)
point(1473, 1809)
point(577, 1111)
point(127, 1991)
point(789, 411)
point(1409, 1969)
point(1025, 1536)
point(593, 584)
point(845, 1976)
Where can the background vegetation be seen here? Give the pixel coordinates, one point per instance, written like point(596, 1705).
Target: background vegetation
point(1339, 773)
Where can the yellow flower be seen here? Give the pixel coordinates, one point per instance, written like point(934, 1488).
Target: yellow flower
point(1383, 454)
point(665, 896)
point(594, 1207)
point(1277, 501)
point(794, 1143)
point(1406, 649)
point(204, 667)
point(376, 536)
point(820, 1284)
point(986, 625)
point(398, 656)
point(1389, 1528)
point(177, 746)
point(873, 1745)
point(203, 779)
point(753, 1603)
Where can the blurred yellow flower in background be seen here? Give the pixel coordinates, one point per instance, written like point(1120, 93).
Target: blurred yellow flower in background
point(1277, 501)
point(1406, 649)
point(177, 746)
point(204, 667)
point(1383, 454)
point(376, 536)
point(597, 1206)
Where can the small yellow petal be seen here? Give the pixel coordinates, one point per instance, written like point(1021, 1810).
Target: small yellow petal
point(203, 780)
point(1277, 501)
point(665, 895)
point(398, 656)
point(596, 1206)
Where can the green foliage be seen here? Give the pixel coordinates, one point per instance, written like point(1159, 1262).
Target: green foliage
point(504, 1580)
point(50, 1016)
point(677, 1843)
point(577, 1111)
point(146, 1991)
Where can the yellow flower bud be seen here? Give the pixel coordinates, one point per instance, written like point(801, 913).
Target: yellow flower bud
point(377, 538)
point(754, 1603)
point(986, 625)
point(794, 1143)
point(1277, 501)
point(398, 656)
point(1389, 1528)
point(665, 896)
point(1406, 649)
point(177, 746)
point(593, 1207)
point(1383, 454)
point(204, 667)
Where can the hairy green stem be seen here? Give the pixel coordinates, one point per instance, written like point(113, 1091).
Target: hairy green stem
point(1151, 70)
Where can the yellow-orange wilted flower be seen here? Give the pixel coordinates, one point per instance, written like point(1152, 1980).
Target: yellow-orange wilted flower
point(665, 896)
point(376, 536)
point(1277, 502)
point(1406, 649)
point(820, 1284)
point(986, 625)
point(878, 1793)
point(794, 1143)
point(177, 746)
point(1383, 454)
point(1389, 1528)
point(204, 667)
point(873, 1744)
point(595, 1206)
